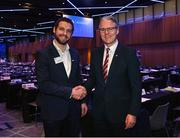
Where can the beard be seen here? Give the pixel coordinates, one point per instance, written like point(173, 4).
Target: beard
point(63, 41)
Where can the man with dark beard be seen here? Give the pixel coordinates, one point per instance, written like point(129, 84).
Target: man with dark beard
point(58, 75)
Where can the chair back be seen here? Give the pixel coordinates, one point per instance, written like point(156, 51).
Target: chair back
point(159, 117)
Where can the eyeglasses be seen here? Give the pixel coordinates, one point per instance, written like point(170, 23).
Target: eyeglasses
point(110, 29)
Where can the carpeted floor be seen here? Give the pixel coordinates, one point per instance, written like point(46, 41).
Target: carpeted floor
point(11, 124)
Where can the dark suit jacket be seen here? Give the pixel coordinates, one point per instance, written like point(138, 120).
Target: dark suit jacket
point(55, 87)
point(121, 94)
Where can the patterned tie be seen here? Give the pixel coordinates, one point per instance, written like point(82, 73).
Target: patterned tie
point(105, 65)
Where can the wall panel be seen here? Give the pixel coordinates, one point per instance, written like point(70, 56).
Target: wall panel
point(170, 7)
point(158, 40)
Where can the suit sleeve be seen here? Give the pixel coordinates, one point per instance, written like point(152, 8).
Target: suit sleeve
point(45, 84)
point(90, 84)
point(135, 82)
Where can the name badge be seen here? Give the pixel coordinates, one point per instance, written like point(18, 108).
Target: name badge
point(58, 60)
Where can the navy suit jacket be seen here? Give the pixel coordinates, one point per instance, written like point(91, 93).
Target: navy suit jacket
point(121, 94)
point(55, 86)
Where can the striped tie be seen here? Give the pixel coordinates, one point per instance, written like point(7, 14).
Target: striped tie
point(105, 65)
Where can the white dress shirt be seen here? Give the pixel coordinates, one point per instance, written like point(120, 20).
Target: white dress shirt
point(111, 53)
point(66, 57)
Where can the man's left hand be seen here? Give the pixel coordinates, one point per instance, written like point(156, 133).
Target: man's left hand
point(84, 109)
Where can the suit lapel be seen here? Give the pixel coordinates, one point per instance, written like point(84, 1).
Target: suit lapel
point(114, 62)
point(53, 54)
point(100, 63)
point(73, 61)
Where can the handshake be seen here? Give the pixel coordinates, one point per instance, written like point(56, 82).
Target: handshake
point(78, 92)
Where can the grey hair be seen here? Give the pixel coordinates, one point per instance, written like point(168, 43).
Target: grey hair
point(110, 18)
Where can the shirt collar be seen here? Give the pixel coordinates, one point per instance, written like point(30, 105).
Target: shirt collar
point(55, 43)
point(112, 47)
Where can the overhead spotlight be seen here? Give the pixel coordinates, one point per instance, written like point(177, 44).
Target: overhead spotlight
point(27, 5)
point(86, 14)
point(59, 12)
point(105, 2)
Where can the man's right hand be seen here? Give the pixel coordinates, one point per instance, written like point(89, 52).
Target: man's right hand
point(78, 92)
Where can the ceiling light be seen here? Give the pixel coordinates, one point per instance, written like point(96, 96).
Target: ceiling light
point(59, 11)
point(12, 36)
point(92, 8)
point(137, 6)
point(40, 28)
point(124, 7)
point(14, 10)
point(27, 5)
point(25, 30)
point(21, 30)
point(33, 35)
point(5, 28)
point(160, 1)
point(42, 23)
point(11, 39)
point(59, 15)
point(109, 13)
point(75, 7)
